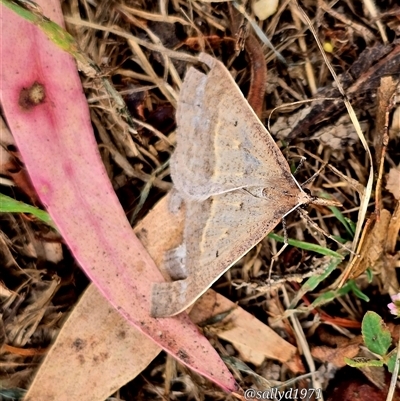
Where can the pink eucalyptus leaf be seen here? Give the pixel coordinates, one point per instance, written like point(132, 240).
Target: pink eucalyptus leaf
point(47, 113)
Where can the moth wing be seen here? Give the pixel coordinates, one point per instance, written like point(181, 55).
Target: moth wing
point(218, 232)
point(221, 143)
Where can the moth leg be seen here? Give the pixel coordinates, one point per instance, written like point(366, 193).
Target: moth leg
point(285, 244)
point(314, 176)
point(175, 262)
point(307, 218)
point(285, 234)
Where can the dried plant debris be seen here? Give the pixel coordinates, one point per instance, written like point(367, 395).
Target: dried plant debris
point(392, 182)
point(145, 48)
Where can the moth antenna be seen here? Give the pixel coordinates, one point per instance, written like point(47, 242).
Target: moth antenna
point(314, 176)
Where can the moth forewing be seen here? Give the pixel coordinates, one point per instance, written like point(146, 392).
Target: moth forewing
point(234, 180)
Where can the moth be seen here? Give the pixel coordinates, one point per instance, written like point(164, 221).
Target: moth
point(235, 183)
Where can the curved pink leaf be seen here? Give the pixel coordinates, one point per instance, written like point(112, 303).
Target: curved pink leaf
point(47, 113)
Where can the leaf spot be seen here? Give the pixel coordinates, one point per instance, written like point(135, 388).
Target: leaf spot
point(32, 96)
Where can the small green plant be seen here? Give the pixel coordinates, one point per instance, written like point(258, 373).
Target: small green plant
point(377, 339)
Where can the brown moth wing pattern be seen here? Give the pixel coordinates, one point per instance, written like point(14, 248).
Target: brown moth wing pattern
point(234, 180)
point(222, 229)
point(221, 143)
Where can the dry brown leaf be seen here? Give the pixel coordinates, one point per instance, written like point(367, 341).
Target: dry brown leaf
point(393, 182)
point(394, 129)
point(393, 231)
point(335, 355)
point(96, 352)
point(385, 94)
point(387, 268)
point(374, 245)
point(254, 340)
point(371, 248)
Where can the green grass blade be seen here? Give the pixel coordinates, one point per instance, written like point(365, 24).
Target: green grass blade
point(53, 31)
point(314, 281)
point(338, 214)
point(329, 296)
point(10, 205)
point(307, 246)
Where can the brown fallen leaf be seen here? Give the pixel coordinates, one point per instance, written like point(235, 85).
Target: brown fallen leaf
point(393, 231)
point(373, 246)
point(335, 356)
point(96, 352)
point(393, 182)
point(254, 340)
point(374, 250)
